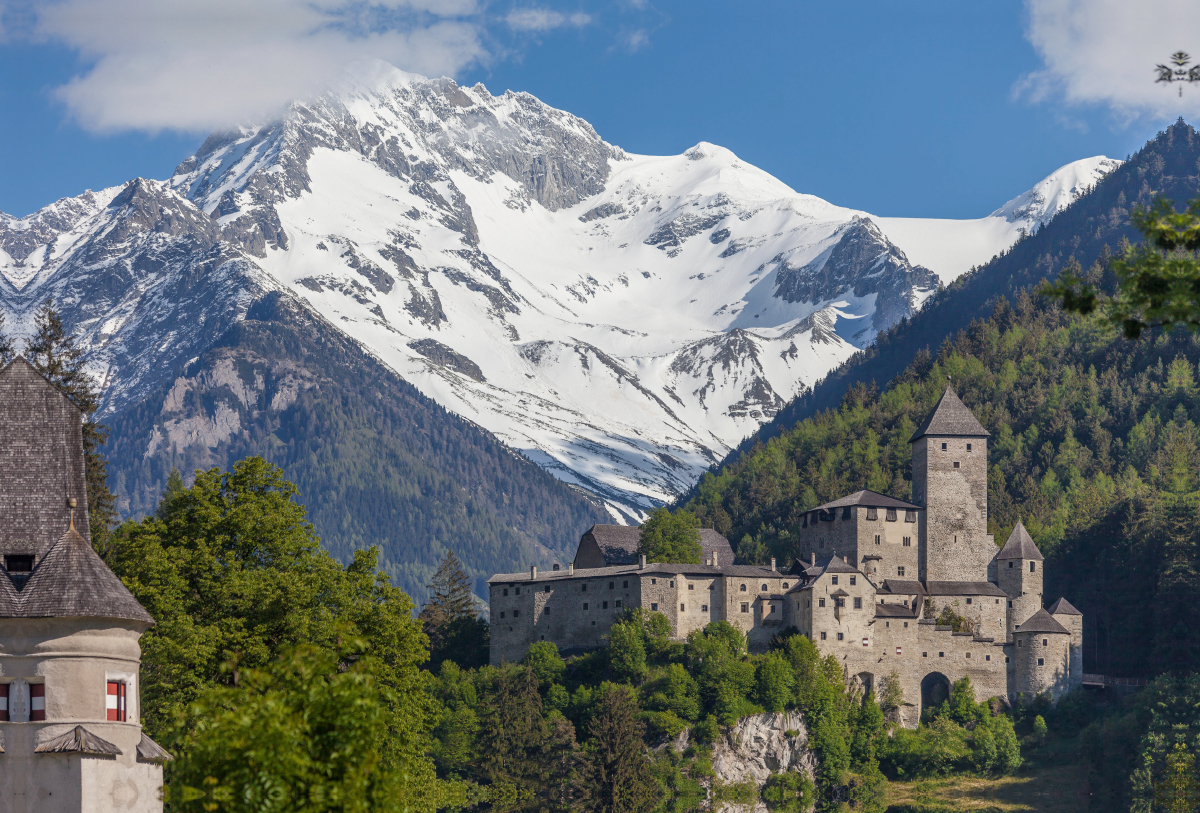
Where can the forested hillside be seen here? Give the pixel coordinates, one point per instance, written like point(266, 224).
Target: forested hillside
point(376, 462)
point(1094, 445)
point(1168, 165)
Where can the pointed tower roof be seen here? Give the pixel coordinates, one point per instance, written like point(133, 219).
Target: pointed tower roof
point(72, 581)
point(1042, 622)
point(1063, 607)
point(1020, 545)
point(951, 418)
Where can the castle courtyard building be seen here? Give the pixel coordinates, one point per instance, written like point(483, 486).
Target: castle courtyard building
point(879, 575)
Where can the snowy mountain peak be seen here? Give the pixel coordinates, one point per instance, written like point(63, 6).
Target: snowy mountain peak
point(1034, 209)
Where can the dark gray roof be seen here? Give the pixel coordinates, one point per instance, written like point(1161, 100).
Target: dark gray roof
point(871, 499)
point(903, 587)
point(41, 461)
point(150, 751)
point(72, 581)
point(894, 611)
point(1041, 622)
point(1063, 607)
point(951, 418)
point(963, 589)
point(619, 543)
point(1020, 545)
point(655, 569)
point(78, 741)
point(836, 564)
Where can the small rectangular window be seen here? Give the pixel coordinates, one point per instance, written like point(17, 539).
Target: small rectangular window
point(3, 702)
point(502, 611)
point(618, 602)
point(987, 657)
point(1041, 661)
point(672, 583)
point(625, 583)
point(516, 613)
point(547, 588)
point(703, 608)
point(910, 516)
point(691, 586)
point(968, 447)
point(604, 605)
point(872, 513)
point(900, 570)
point(682, 608)
point(545, 611)
point(834, 580)
point(517, 591)
point(745, 607)
point(585, 605)
point(820, 602)
point(841, 636)
point(877, 539)
point(116, 701)
point(583, 589)
point(924, 654)
point(506, 592)
point(654, 606)
point(941, 654)
point(968, 601)
point(822, 636)
point(906, 625)
point(846, 512)
point(956, 464)
point(839, 602)
point(1045, 642)
point(891, 515)
point(908, 541)
point(1032, 566)
point(857, 603)
point(612, 585)
point(943, 447)
point(853, 580)
point(654, 581)
point(1006, 659)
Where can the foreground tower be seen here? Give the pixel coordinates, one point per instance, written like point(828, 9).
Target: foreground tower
point(950, 483)
point(70, 716)
point(1019, 573)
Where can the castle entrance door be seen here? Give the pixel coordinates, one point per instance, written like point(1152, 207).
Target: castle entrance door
point(868, 682)
point(935, 690)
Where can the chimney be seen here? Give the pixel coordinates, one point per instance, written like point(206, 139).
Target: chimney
point(570, 568)
point(533, 571)
point(772, 563)
point(814, 558)
point(556, 565)
point(714, 559)
point(642, 562)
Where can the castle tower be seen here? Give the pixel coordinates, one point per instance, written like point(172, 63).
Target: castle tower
point(1072, 620)
point(1042, 650)
point(950, 483)
point(70, 712)
point(1019, 573)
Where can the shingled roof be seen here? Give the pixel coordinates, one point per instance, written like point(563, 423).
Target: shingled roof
point(871, 499)
point(1063, 607)
point(619, 544)
point(1020, 545)
point(1042, 622)
point(79, 741)
point(41, 461)
point(951, 418)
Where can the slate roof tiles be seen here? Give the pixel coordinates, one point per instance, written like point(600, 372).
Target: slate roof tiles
point(951, 418)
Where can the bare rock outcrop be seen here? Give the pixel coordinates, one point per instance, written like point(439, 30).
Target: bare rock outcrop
point(761, 745)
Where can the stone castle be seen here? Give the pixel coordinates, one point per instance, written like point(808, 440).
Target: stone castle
point(879, 575)
point(71, 739)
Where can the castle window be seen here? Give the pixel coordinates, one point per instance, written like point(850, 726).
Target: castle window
point(604, 605)
point(846, 512)
point(858, 603)
point(745, 607)
point(764, 589)
point(1045, 642)
point(943, 447)
point(877, 540)
point(900, 570)
point(502, 612)
point(672, 583)
point(968, 654)
point(547, 588)
point(703, 608)
point(1041, 661)
point(908, 541)
point(821, 543)
point(625, 583)
point(1018, 641)
point(968, 447)
point(941, 654)
point(839, 602)
point(654, 606)
point(743, 588)
point(18, 563)
point(956, 464)
point(618, 602)
point(785, 585)
point(841, 636)
point(997, 601)
point(1010, 564)
point(1010, 602)
point(682, 608)
point(820, 602)
point(517, 590)
point(691, 586)
point(1032, 566)
point(583, 589)
point(906, 625)
point(887, 624)
point(822, 636)
point(835, 579)
point(890, 516)
point(115, 703)
point(968, 601)
point(924, 654)
point(516, 613)
point(506, 592)
point(872, 513)
point(910, 516)
point(987, 657)
point(612, 585)
point(1006, 659)
point(545, 611)
point(853, 581)
point(585, 605)
point(654, 581)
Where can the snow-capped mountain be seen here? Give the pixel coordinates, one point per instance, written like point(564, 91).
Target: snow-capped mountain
point(622, 320)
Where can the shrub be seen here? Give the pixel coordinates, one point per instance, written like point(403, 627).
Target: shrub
point(774, 682)
point(547, 665)
point(627, 653)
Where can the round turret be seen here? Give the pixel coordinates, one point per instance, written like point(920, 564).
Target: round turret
point(1019, 574)
point(1042, 656)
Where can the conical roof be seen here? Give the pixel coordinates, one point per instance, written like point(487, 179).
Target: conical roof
point(1041, 622)
point(951, 418)
point(1020, 545)
point(72, 581)
point(1063, 607)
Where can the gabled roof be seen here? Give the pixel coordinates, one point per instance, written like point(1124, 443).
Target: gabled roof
point(836, 564)
point(1020, 545)
point(951, 418)
point(79, 741)
point(72, 581)
point(41, 461)
point(619, 543)
point(904, 587)
point(1041, 622)
point(651, 569)
point(1063, 607)
point(870, 499)
point(150, 751)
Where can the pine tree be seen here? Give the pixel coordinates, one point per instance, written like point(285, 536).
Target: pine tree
point(451, 618)
point(53, 353)
point(6, 345)
point(624, 778)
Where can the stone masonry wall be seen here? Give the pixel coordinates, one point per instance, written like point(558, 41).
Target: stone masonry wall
point(952, 483)
point(1051, 675)
point(854, 538)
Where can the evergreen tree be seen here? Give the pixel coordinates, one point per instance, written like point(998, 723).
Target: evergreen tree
point(7, 353)
point(667, 537)
point(53, 353)
point(624, 779)
point(451, 618)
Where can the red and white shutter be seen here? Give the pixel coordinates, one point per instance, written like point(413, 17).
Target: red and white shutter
point(898, 650)
point(116, 701)
point(4, 702)
point(865, 642)
point(37, 702)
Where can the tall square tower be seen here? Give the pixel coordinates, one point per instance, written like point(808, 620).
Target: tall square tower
point(950, 482)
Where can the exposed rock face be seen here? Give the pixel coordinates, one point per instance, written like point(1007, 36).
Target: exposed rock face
point(759, 746)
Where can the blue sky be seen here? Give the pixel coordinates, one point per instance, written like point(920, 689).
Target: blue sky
point(932, 109)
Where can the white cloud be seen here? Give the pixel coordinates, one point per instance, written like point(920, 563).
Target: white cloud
point(199, 64)
point(1103, 52)
point(544, 19)
point(637, 39)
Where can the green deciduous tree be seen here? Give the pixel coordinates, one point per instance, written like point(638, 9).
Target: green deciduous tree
point(627, 652)
point(671, 537)
point(623, 776)
point(53, 353)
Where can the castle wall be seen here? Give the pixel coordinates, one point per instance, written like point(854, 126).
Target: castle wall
point(855, 537)
point(1024, 588)
point(951, 484)
point(1052, 674)
point(990, 613)
point(1074, 625)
